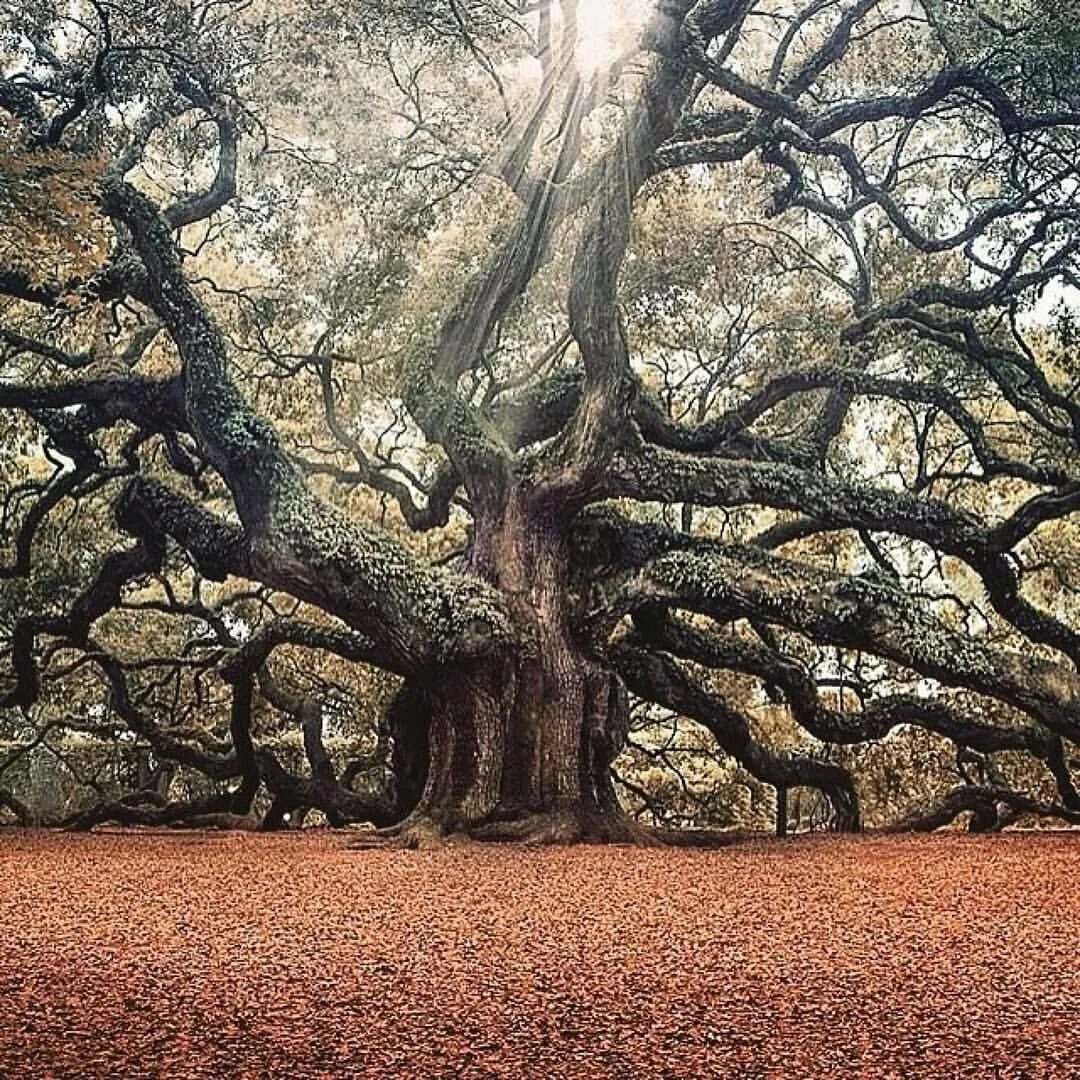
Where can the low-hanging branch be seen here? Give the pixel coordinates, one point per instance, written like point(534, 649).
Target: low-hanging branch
point(660, 679)
point(876, 719)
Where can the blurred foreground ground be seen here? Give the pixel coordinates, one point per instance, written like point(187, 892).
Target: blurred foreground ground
point(193, 955)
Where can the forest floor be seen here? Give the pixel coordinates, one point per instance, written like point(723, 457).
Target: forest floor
point(194, 955)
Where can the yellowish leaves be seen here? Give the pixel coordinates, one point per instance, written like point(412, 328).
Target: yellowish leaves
point(50, 226)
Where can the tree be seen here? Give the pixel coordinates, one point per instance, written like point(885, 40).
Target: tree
point(750, 384)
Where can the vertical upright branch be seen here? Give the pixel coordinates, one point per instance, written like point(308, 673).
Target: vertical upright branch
point(243, 745)
point(603, 411)
point(478, 451)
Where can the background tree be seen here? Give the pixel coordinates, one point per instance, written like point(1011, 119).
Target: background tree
point(554, 376)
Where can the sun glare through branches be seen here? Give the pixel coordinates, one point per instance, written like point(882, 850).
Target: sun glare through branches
point(607, 31)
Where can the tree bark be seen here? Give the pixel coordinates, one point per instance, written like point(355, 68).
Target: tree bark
point(518, 745)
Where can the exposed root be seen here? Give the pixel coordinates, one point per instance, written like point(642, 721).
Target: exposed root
point(561, 827)
point(707, 838)
point(613, 828)
point(568, 827)
point(417, 831)
point(420, 833)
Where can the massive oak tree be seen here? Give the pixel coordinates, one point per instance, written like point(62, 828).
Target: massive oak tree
point(751, 382)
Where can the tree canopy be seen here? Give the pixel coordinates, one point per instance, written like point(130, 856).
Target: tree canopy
point(540, 419)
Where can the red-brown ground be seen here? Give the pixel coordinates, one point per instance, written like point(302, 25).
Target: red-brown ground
point(186, 955)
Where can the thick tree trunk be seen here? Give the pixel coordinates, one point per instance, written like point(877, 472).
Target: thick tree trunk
point(518, 745)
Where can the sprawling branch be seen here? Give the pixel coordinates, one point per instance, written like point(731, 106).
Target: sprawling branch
point(732, 581)
point(718, 434)
point(296, 541)
point(654, 473)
